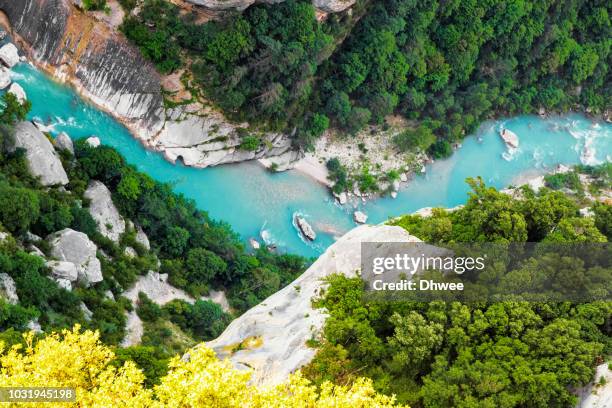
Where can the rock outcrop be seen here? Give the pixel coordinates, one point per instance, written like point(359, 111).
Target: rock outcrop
point(283, 323)
point(63, 141)
point(5, 78)
point(102, 209)
point(42, 159)
point(9, 55)
point(156, 287)
point(329, 6)
point(18, 91)
point(75, 247)
point(103, 66)
point(8, 290)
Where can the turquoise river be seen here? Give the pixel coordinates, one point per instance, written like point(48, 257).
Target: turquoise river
point(258, 203)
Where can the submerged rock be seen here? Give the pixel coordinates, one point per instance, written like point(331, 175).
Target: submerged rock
point(42, 159)
point(102, 209)
point(285, 321)
point(9, 55)
point(74, 246)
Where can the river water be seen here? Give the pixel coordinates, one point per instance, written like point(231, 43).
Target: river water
point(258, 203)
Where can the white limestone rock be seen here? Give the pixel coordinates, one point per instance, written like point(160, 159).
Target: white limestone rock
point(74, 246)
point(130, 252)
point(63, 270)
point(133, 330)
point(9, 55)
point(110, 223)
point(341, 197)
point(93, 141)
point(596, 395)
point(157, 288)
point(43, 160)
point(18, 91)
point(64, 283)
point(360, 217)
point(8, 291)
point(5, 78)
point(142, 238)
point(63, 141)
point(333, 6)
point(286, 320)
point(88, 314)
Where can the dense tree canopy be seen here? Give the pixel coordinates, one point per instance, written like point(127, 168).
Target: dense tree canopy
point(448, 65)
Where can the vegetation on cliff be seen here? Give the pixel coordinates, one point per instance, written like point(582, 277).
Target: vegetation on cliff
point(448, 66)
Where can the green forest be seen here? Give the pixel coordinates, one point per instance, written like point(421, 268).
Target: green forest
point(480, 353)
point(445, 65)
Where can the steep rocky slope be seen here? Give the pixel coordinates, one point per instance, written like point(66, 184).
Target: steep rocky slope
point(271, 337)
point(77, 48)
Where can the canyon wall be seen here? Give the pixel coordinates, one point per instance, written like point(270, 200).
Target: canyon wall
point(104, 67)
point(328, 6)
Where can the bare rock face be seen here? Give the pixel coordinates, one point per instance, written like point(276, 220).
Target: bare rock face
point(63, 270)
point(333, 6)
point(5, 78)
point(18, 91)
point(330, 6)
point(8, 291)
point(110, 223)
point(142, 238)
point(63, 141)
point(271, 337)
point(101, 64)
point(75, 247)
point(42, 159)
point(597, 394)
point(9, 55)
point(157, 288)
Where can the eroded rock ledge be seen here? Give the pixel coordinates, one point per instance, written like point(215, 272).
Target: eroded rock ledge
point(105, 68)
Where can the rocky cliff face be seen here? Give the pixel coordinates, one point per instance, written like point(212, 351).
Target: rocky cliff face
point(328, 6)
point(75, 47)
point(271, 337)
point(101, 64)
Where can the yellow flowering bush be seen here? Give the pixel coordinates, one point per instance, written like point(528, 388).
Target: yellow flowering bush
point(78, 359)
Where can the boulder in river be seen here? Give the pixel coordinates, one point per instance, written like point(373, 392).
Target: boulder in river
point(42, 159)
point(74, 246)
point(63, 141)
point(305, 228)
point(341, 197)
point(9, 55)
point(18, 91)
point(360, 217)
point(110, 223)
point(510, 138)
